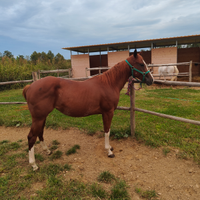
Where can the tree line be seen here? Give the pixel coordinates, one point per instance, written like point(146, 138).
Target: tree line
point(20, 68)
point(36, 57)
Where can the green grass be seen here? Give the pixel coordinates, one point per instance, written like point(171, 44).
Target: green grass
point(148, 194)
point(151, 130)
point(39, 157)
point(72, 150)
point(166, 151)
point(17, 180)
point(56, 155)
point(106, 177)
point(119, 191)
point(55, 142)
point(98, 191)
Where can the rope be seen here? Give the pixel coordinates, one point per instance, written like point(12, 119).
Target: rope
point(133, 80)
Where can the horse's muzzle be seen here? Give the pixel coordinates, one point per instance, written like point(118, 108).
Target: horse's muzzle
point(149, 81)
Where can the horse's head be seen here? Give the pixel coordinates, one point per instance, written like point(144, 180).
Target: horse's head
point(139, 68)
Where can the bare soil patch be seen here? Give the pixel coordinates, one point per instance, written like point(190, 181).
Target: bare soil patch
point(140, 166)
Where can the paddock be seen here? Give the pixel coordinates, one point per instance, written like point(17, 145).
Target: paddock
point(132, 107)
point(137, 164)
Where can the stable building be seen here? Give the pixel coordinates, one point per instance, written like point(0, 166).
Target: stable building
point(160, 51)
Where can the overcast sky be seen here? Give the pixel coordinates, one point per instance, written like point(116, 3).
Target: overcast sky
point(42, 25)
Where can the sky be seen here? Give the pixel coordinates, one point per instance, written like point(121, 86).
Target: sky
point(42, 25)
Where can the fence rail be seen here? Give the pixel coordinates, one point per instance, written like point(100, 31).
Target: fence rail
point(58, 71)
point(169, 64)
point(189, 73)
point(12, 82)
point(95, 68)
point(178, 83)
point(10, 103)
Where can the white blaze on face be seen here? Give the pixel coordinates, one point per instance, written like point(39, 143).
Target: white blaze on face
point(147, 68)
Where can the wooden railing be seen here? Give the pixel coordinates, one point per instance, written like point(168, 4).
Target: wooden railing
point(189, 73)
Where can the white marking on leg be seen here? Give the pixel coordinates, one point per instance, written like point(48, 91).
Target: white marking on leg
point(45, 148)
point(107, 145)
point(32, 159)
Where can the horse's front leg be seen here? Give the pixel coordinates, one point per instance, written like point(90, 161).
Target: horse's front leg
point(107, 145)
point(107, 119)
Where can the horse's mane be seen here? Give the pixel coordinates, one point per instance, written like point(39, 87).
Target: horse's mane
point(113, 74)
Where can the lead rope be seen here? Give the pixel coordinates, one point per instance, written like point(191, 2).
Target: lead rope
point(133, 80)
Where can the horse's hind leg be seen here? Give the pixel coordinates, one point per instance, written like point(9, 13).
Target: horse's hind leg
point(36, 130)
point(42, 143)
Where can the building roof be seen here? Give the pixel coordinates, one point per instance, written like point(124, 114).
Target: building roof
point(181, 40)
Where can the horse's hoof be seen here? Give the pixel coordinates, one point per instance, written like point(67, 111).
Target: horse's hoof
point(111, 156)
point(49, 152)
point(35, 168)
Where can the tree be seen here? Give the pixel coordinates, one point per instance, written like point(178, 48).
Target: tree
point(50, 55)
point(59, 58)
point(34, 57)
point(20, 56)
point(43, 57)
point(8, 54)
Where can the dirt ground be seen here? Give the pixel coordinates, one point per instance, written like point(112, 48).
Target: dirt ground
point(140, 166)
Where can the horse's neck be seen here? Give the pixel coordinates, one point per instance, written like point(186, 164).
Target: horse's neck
point(118, 75)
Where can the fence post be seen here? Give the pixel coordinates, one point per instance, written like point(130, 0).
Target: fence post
point(86, 72)
point(38, 74)
point(34, 75)
point(70, 72)
point(132, 110)
point(190, 71)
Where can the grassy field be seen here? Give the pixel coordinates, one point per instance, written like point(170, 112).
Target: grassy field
point(17, 180)
point(151, 130)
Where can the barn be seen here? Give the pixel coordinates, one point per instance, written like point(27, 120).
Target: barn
point(154, 51)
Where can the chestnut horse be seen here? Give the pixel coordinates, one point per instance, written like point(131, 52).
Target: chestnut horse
point(97, 95)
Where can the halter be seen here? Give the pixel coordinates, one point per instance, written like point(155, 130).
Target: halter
point(132, 69)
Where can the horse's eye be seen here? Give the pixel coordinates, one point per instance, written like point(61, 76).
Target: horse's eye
point(142, 65)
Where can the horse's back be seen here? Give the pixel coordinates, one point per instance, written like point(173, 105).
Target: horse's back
point(84, 98)
point(73, 98)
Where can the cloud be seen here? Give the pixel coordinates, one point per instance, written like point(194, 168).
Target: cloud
point(61, 23)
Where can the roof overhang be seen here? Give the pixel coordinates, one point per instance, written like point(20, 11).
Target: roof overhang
point(182, 40)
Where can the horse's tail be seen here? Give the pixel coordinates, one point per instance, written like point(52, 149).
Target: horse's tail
point(25, 90)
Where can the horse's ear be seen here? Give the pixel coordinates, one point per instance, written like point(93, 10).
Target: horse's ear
point(135, 53)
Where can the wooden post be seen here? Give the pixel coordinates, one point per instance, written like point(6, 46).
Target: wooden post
point(132, 109)
point(190, 71)
point(38, 74)
point(86, 72)
point(34, 75)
